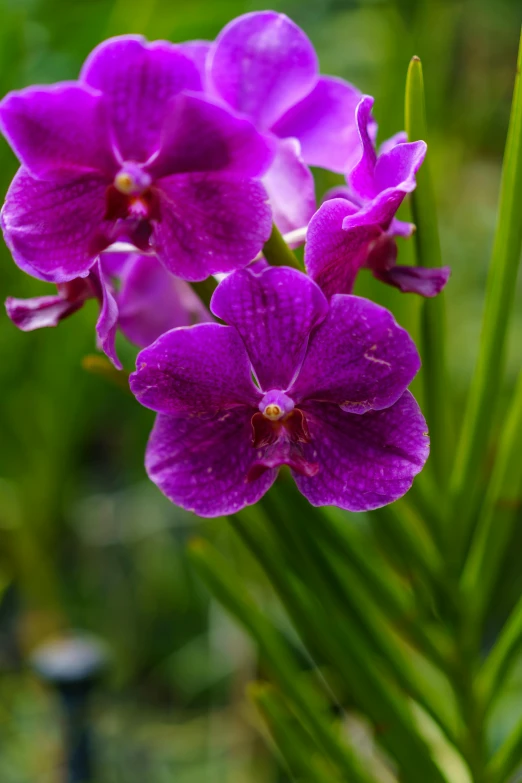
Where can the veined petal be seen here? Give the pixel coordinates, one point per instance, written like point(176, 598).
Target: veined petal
point(151, 301)
point(366, 461)
point(202, 463)
point(261, 65)
point(290, 187)
point(195, 371)
point(57, 228)
point(274, 311)
point(324, 124)
point(201, 136)
point(59, 131)
point(210, 223)
point(358, 357)
point(333, 256)
point(138, 79)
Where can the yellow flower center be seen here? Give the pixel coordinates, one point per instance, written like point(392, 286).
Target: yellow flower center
point(273, 412)
point(124, 183)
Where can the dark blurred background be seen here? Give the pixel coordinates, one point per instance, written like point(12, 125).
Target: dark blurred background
point(85, 541)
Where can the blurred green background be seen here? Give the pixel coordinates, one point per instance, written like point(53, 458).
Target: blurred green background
point(85, 541)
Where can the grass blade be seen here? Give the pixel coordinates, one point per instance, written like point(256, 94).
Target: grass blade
point(498, 516)
point(483, 396)
point(433, 319)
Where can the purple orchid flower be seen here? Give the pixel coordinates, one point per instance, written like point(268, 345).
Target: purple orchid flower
point(329, 399)
point(265, 68)
point(358, 229)
point(149, 302)
point(129, 153)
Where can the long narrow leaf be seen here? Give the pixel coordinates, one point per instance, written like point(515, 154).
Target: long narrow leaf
point(483, 397)
point(507, 759)
point(433, 320)
point(231, 593)
point(293, 742)
point(497, 518)
point(314, 611)
point(502, 656)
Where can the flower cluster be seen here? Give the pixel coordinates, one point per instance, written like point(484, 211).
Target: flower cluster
point(164, 164)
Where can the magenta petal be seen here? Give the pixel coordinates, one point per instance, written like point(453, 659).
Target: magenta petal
point(397, 167)
point(39, 312)
point(151, 301)
point(415, 279)
point(274, 311)
point(398, 138)
point(202, 462)
point(195, 371)
point(333, 256)
point(198, 52)
point(261, 65)
point(361, 177)
point(57, 228)
point(324, 124)
point(138, 79)
point(201, 136)
point(58, 129)
point(359, 358)
point(210, 223)
point(365, 461)
point(290, 186)
point(107, 323)
point(399, 228)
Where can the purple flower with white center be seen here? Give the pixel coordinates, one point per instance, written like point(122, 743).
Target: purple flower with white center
point(148, 302)
point(358, 229)
point(265, 67)
point(329, 399)
point(129, 153)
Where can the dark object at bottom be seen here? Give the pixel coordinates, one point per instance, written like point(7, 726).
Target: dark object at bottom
point(72, 665)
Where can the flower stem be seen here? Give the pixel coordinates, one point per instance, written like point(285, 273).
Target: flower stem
point(432, 316)
point(498, 309)
point(277, 252)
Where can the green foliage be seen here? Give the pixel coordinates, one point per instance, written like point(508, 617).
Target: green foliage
point(391, 644)
point(394, 615)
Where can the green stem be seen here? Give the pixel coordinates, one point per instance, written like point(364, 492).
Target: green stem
point(484, 393)
point(205, 288)
point(498, 516)
point(231, 593)
point(433, 319)
point(294, 743)
point(501, 658)
point(313, 606)
point(277, 252)
point(507, 759)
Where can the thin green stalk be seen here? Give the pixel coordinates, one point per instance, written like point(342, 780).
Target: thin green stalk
point(313, 612)
point(277, 252)
point(349, 547)
point(205, 288)
point(357, 606)
point(483, 397)
point(498, 516)
point(433, 319)
point(293, 741)
point(500, 659)
point(231, 593)
point(507, 758)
